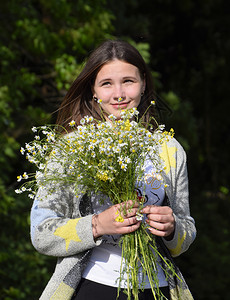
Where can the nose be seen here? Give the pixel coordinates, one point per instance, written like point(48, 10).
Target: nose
point(118, 92)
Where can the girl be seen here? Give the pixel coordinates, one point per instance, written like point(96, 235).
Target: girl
point(84, 234)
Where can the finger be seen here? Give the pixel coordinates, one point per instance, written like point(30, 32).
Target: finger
point(129, 229)
point(158, 232)
point(160, 218)
point(153, 209)
point(131, 213)
point(120, 216)
point(127, 209)
point(130, 204)
point(131, 221)
point(161, 229)
point(158, 226)
point(124, 222)
point(133, 227)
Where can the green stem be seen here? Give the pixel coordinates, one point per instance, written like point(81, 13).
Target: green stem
point(147, 267)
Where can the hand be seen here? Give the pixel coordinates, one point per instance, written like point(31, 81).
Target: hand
point(114, 221)
point(161, 220)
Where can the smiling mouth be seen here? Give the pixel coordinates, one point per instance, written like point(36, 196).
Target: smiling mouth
point(120, 104)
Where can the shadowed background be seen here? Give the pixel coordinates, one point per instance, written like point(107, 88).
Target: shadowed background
point(186, 44)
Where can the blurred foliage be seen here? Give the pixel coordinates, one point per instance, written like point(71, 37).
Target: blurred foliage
point(43, 45)
point(189, 53)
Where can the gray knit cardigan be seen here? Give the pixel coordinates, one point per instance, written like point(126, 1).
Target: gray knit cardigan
point(61, 224)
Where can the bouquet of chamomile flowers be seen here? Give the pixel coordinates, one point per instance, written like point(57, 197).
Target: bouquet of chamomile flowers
point(105, 157)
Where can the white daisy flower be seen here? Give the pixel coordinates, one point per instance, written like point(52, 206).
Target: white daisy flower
point(127, 160)
point(19, 178)
point(41, 166)
point(120, 160)
point(112, 117)
point(82, 121)
point(25, 176)
point(22, 150)
point(124, 167)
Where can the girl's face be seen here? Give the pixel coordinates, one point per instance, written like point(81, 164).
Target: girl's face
point(118, 79)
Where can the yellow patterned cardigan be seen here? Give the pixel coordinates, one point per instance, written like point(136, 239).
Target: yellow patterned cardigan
point(61, 226)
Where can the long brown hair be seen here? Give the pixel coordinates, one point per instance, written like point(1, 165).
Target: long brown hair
point(78, 100)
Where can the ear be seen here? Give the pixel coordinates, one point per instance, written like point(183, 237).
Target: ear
point(93, 92)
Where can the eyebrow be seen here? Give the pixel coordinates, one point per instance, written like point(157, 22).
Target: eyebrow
point(104, 79)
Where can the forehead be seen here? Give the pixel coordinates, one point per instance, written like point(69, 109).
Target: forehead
point(116, 68)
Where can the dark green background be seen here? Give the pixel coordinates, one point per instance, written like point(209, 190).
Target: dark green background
point(186, 44)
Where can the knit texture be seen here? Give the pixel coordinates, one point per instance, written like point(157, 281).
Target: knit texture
point(61, 223)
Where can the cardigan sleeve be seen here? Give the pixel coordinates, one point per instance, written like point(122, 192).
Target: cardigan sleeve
point(57, 226)
point(176, 178)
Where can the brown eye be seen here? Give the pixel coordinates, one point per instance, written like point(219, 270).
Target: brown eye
point(106, 83)
point(128, 81)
